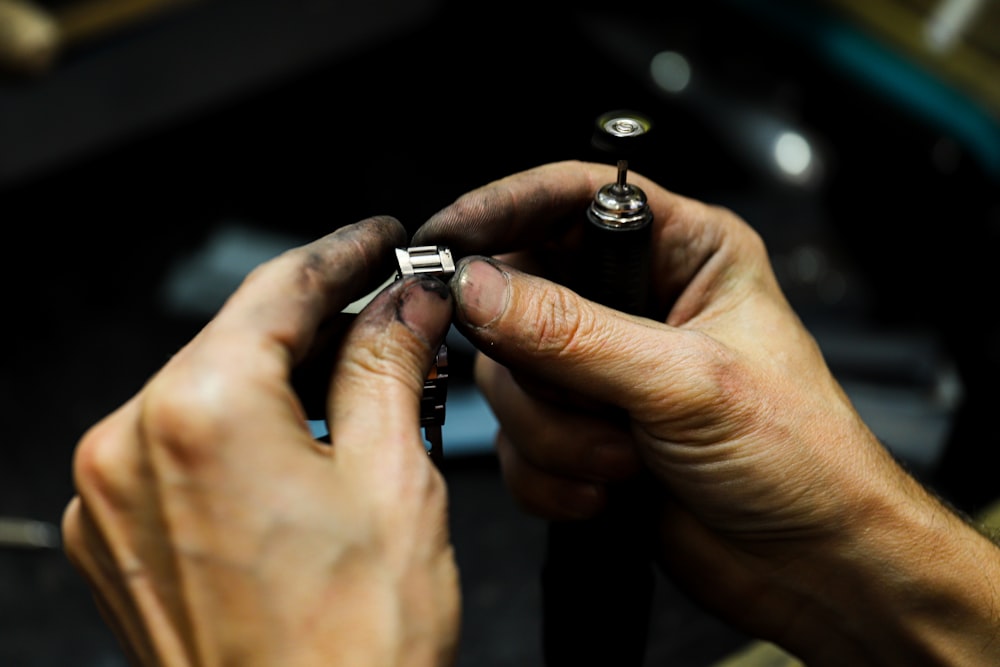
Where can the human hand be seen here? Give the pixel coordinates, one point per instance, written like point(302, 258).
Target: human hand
point(778, 505)
point(726, 328)
point(214, 530)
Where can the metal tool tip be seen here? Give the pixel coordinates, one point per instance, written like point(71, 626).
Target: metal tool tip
point(622, 174)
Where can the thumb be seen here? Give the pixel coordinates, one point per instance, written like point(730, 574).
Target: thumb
point(379, 375)
point(530, 324)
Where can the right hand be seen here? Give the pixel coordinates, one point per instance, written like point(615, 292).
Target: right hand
point(772, 484)
point(729, 386)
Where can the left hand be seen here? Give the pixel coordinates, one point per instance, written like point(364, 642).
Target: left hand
point(212, 527)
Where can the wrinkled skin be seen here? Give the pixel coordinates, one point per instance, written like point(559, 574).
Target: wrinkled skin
point(769, 481)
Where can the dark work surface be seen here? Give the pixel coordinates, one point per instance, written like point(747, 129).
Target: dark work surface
point(876, 257)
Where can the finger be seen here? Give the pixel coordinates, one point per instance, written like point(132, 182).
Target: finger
point(524, 321)
point(281, 303)
point(567, 443)
point(379, 376)
point(136, 653)
point(542, 493)
point(524, 210)
point(88, 552)
point(116, 492)
point(108, 467)
point(107, 529)
point(241, 363)
point(517, 211)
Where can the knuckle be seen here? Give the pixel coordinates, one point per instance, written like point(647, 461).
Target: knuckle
point(564, 323)
point(722, 391)
point(304, 264)
point(725, 376)
point(417, 498)
point(97, 464)
point(432, 490)
point(184, 414)
point(376, 362)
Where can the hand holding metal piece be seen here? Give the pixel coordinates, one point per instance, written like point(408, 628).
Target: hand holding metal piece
point(436, 261)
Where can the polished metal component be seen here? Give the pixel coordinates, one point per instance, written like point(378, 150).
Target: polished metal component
point(622, 181)
point(623, 124)
point(435, 390)
point(620, 205)
point(433, 401)
point(435, 260)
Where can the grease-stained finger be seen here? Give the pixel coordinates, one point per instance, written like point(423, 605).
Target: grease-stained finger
point(374, 401)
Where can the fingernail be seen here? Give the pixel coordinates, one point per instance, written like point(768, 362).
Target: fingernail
point(482, 291)
point(425, 307)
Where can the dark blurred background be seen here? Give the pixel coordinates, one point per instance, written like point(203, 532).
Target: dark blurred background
point(151, 152)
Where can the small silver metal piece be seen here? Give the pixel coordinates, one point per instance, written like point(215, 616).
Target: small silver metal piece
point(435, 260)
point(623, 126)
point(622, 181)
point(619, 207)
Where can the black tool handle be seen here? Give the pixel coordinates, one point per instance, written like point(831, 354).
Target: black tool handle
point(597, 578)
point(597, 589)
point(617, 267)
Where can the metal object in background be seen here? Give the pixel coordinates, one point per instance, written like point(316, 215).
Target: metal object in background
point(20, 533)
point(32, 36)
point(418, 260)
point(435, 261)
point(29, 38)
point(598, 579)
